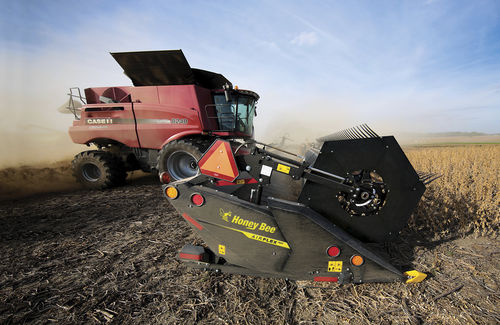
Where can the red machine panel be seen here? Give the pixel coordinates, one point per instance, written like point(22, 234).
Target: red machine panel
point(105, 121)
point(158, 123)
point(175, 114)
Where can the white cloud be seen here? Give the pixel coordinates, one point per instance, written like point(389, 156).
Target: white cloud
point(305, 38)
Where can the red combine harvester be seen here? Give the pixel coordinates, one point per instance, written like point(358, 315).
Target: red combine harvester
point(164, 123)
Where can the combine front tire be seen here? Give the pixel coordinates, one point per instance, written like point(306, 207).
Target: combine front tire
point(98, 169)
point(179, 159)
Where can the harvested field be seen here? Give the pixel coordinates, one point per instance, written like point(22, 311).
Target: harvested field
point(110, 256)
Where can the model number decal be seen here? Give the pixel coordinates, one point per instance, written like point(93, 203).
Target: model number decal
point(179, 121)
point(99, 121)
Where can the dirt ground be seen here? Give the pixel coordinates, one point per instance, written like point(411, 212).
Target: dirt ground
point(110, 256)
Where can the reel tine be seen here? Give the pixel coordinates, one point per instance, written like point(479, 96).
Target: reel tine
point(426, 177)
point(362, 131)
point(366, 129)
point(352, 134)
point(369, 131)
point(359, 132)
point(432, 179)
point(374, 133)
point(421, 174)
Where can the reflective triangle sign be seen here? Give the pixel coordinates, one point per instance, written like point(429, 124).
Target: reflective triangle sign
point(219, 162)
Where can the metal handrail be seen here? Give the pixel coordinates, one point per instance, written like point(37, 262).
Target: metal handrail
point(71, 104)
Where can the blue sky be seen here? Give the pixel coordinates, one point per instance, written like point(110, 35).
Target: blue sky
point(416, 66)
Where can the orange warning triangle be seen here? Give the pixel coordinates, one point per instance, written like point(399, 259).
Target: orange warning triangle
point(219, 162)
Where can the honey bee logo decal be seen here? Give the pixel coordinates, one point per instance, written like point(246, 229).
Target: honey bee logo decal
point(224, 215)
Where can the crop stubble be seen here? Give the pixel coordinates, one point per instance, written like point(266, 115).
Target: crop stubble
point(104, 256)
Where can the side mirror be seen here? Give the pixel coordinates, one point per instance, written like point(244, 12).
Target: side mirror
point(227, 87)
point(228, 95)
point(255, 111)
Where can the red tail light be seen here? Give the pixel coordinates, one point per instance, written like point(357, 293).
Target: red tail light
point(197, 199)
point(164, 178)
point(333, 251)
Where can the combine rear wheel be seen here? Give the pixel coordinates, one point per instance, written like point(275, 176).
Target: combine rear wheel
point(180, 159)
point(98, 169)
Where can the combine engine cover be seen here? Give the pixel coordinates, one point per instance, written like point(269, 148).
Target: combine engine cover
point(264, 214)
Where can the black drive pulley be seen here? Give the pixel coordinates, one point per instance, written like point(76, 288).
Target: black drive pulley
point(368, 196)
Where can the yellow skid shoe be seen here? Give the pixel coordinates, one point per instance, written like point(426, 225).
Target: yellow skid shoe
point(415, 276)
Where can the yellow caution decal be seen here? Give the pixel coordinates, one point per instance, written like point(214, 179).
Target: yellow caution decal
point(264, 239)
point(283, 168)
point(414, 276)
point(334, 266)
point(222, 249)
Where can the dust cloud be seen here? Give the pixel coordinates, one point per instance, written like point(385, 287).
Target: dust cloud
point(33, 133)
point(35, 160)
point(36, 151)
point(34, 145)
point(302, 123)
point(296, 130)
point(24, 180)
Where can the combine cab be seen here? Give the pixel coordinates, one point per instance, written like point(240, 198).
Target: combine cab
point(266, 214)
point(161, 124)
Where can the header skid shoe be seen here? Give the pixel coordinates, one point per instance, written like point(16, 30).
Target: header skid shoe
point(356, 190)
